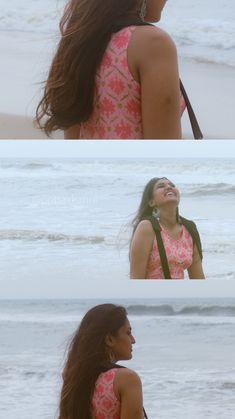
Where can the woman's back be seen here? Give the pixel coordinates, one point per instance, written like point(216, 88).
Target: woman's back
point(92, 93)
point(117, 104)
point(105, 404)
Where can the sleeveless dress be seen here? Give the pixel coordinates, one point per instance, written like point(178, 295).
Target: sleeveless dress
point(179, 255)
point(117, 103)
point(105, 404)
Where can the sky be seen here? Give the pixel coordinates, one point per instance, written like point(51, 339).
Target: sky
point(108, 289)
point(118, 149)
point(98, 287)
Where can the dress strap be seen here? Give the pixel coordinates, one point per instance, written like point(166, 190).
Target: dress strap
point(129, 21)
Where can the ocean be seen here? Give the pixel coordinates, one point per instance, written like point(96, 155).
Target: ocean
point(184, 354)
point(71, 218)
point(202, 30)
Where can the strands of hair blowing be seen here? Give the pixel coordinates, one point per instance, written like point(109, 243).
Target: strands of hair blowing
point(86, 28)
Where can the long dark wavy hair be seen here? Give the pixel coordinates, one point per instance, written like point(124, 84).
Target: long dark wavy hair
point(145, 210)
point(86, 28)
point(87, 358)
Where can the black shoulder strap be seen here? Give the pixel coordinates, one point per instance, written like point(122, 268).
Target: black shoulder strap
point(192, 229)
point(129, 21)
point(161, 248)
point(145, 414)
point(192, 117)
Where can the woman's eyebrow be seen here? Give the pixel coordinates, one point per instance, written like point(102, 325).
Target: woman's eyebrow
point(160, 183)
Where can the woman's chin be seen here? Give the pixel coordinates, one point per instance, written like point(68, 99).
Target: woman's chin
point(152, 19)
point(127, 357)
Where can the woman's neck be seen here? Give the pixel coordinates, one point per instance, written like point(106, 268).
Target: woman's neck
point(168, 217)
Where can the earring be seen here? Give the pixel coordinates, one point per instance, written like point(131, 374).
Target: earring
point(156, 213)
point(110, 355)
point(142, 12)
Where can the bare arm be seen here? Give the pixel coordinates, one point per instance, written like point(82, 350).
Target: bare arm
point(154, 58)
point(195, 271)
point(141, 247)
point(72, 133)
point(127, 386)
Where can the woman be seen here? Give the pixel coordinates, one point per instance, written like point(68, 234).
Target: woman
point(113, 76)
point(164, 244)
point(94, 386)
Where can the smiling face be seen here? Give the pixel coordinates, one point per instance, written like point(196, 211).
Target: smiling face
point(121, 344)
point(164, 193)
point(153, 10)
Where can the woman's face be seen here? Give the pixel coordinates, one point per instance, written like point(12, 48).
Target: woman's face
point(164, 192)
point(154, 10)
point(121, 343)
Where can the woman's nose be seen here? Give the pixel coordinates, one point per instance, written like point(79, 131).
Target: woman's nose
point(168, 186)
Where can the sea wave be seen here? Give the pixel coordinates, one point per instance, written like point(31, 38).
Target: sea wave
point(16, 165)
point(187, 310)
point(220, 248)
point(36, 235)
point(203, 32)
point(208, 33)
point(37, 166)
point(228, 385)
point(84, 171)
point(209, 189)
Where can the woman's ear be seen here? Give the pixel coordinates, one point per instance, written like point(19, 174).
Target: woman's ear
point(109, 340)
point(151, 203)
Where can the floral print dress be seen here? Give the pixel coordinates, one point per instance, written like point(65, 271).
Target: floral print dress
point(179, 255)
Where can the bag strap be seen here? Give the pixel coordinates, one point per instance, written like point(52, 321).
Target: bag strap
point(193, 231)
point(162, 252)
point(192, 117)
point(145, 414)
point(163, 257)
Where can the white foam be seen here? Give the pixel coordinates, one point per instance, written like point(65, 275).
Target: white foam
point(202, 30)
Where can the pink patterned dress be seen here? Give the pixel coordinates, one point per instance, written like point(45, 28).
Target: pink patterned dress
point(105, 404)
point(117, 101)
point(117, 107)
point(179, 255)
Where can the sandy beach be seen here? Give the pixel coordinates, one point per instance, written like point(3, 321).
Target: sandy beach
point(16, 127)
point(210, 87)
point(211, 90)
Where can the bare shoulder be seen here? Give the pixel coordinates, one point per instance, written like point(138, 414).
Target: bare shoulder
point(128, 390)
point(126, 377)
point(151, 39)
point(145, 227)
